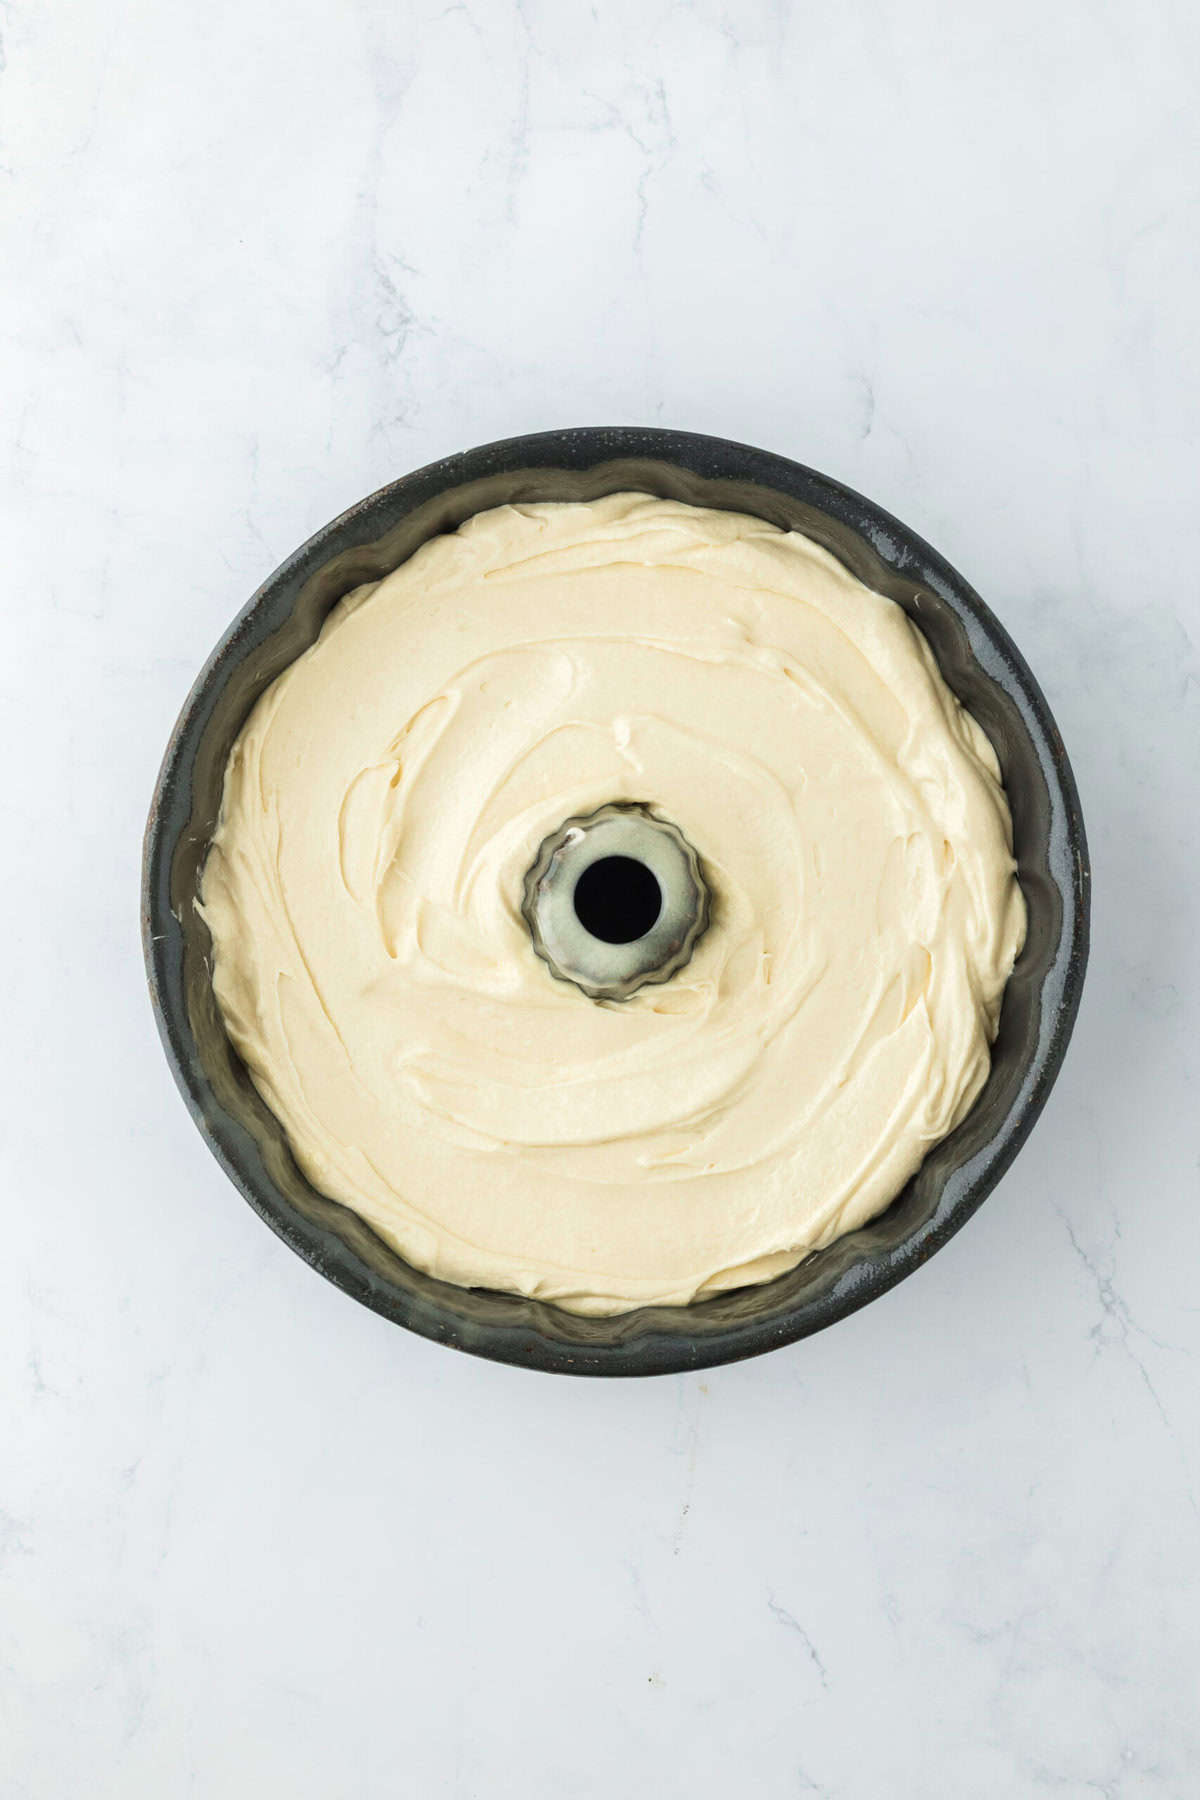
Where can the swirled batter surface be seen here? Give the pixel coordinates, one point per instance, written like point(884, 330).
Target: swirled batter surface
point(390, 790)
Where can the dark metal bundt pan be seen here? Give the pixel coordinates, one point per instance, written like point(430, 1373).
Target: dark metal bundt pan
point(981, 665)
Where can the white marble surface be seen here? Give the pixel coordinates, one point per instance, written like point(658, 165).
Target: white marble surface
point(258, 260)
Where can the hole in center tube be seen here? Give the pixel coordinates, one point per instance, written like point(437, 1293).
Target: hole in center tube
point(617, 899)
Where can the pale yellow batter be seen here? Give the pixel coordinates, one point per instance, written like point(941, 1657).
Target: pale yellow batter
point(390, 791)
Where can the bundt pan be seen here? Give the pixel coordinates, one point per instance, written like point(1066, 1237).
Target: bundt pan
point(979, 662)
